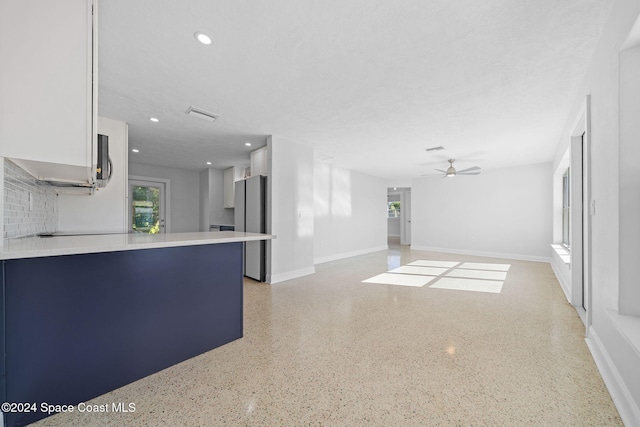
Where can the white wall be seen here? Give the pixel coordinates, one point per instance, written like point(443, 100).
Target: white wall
point(630, 179)
point(501, 212)
point(393, 227)
point(185, 194)
point(562, 269)
point(290, 210)
point(398, 183)
point(350, 213)
point(106, 210)
point(613, 338)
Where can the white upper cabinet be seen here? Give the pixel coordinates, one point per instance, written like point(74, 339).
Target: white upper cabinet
point(48, 87)
point(259, 164)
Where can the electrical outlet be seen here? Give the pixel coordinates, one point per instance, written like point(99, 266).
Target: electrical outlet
point(592, 208)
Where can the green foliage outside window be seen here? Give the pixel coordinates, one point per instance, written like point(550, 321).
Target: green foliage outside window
point(393, 209)
point(146, 209)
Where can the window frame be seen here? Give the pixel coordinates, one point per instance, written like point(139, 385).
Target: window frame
point(566, 208)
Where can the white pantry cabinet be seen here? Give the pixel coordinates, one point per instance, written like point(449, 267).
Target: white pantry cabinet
point(231, 175)
point(48, 87)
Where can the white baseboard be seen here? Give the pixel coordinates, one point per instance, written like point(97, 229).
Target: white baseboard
point(626, 406)
point(290, 275)
point(336, 257)
point(563, 283)
point(483, 254)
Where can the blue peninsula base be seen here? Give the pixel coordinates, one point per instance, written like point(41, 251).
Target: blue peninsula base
point(77, 326)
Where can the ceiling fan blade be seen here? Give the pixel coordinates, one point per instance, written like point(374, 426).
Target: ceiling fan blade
point(475, 168)
point(440, 170)
point(469, 173)
point(432, 174)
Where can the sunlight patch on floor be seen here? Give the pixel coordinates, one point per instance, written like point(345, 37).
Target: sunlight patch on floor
point(400, 279)
point(424, 271)
point(453, 275)
point(428, 263)
point(478, 274)
point(486, 266)
point(475, 285)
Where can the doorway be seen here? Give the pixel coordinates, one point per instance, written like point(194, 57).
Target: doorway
point(399, 215)
point(147, 206)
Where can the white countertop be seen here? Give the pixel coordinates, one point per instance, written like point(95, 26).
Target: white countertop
point(34, 247)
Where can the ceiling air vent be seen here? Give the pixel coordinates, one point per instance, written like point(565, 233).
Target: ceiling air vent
point(204, 115)
point(323, 157)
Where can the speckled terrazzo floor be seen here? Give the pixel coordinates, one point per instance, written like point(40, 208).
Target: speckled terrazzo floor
point(330, 350)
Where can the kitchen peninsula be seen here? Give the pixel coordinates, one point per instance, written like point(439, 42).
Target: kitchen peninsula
point(84, 315)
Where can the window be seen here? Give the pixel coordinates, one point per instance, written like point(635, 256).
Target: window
point(566, 209)
point(393, 209)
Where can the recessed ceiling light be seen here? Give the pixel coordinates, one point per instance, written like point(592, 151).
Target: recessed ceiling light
point(208, 163)
point(248, 144)
point(202, 37)
point(154, 120)
point(135, 150)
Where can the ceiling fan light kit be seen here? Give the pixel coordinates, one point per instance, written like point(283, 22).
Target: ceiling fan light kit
point(451, 171)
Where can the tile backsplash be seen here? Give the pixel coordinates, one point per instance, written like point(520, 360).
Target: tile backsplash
point(30, 206)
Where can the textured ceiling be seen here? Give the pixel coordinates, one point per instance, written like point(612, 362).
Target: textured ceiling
point(368, 83)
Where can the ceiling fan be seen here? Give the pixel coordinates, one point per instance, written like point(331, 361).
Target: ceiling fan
point(451, 171)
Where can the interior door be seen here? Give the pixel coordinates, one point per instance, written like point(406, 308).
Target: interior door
point(147, 207)
point(405, 217)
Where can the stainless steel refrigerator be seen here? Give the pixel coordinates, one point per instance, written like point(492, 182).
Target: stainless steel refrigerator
point(250, 201)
